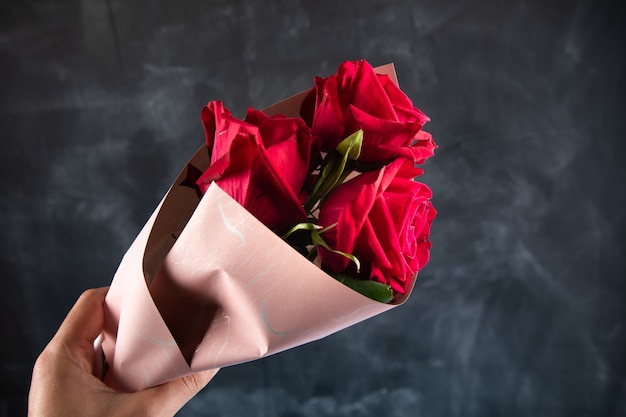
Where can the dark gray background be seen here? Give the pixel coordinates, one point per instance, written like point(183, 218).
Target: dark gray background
point(521, 310)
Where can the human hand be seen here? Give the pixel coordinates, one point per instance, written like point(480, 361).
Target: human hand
point(63, 381)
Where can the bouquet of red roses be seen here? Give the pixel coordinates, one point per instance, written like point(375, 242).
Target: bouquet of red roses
point(289, 225)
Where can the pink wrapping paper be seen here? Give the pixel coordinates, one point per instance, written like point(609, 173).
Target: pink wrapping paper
point(229, 289)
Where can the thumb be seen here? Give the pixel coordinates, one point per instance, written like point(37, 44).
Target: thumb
point(165, 400)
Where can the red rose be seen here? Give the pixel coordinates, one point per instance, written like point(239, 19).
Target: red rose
point(262, 162)
point(383, 218)
point(358, 98)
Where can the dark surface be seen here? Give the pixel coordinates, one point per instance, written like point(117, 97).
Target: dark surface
point(521, 310)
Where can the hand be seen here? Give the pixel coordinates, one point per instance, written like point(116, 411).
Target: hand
point(63, 383)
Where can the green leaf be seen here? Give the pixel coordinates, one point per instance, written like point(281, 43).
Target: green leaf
point(351, 146)
point(371, 289)
point(300, 226)
point(318, 241)
point(321, 185)
point(333, 171)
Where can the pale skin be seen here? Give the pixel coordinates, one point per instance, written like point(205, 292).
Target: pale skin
point(63, 383)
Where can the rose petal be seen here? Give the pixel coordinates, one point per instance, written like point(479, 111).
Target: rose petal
point(262, 162)
point(384, 140)
point(253, 181)
point(221, 128)
point(328, 121)
point(366, 91)
point(383, 218)
point(292, 156)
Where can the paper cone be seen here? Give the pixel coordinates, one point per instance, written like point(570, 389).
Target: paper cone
point(229, 289)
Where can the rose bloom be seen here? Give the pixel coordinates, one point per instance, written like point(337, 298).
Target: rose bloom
point(383, 218)
point(262, 162)
point(358, 98)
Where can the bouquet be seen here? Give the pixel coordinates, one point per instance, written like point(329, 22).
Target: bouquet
point(289, 225)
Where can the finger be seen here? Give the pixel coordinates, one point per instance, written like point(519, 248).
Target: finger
point(167, 399)
point(85, 320)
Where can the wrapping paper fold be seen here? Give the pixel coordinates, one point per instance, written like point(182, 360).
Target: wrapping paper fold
point(206, 285)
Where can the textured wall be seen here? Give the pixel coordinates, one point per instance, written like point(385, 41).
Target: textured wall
point(521, 310)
